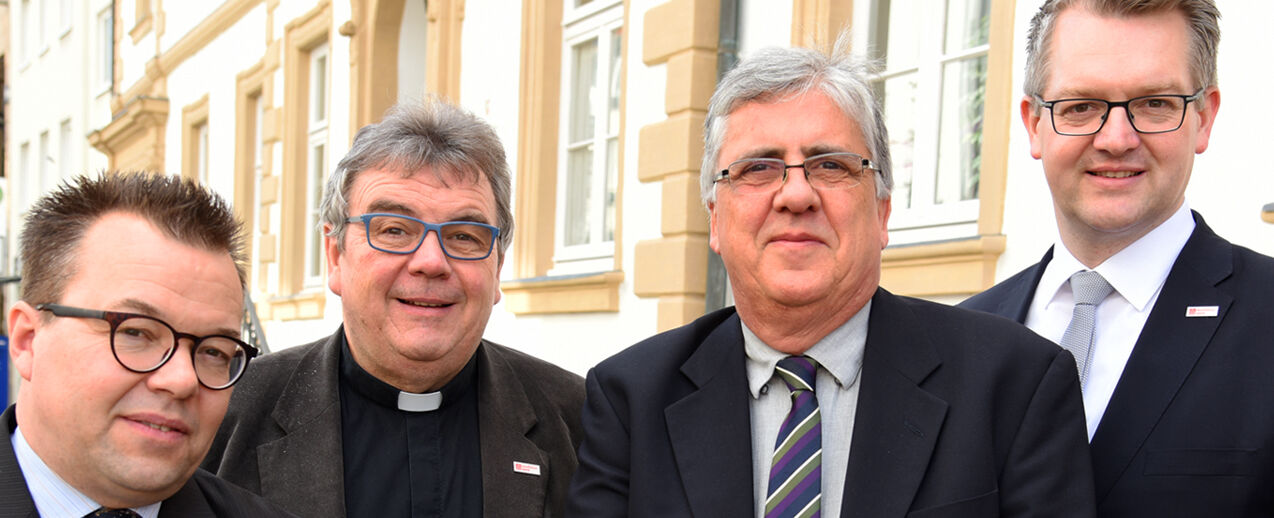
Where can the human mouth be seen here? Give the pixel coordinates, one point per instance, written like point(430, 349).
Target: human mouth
point(1115, 174)
point(159, 424)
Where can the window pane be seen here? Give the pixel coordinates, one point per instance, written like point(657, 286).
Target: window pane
point(612, 178)
point(968, 24)
point(612, 103)
point(318, 89)
point(899, 102)
point(960, 140)
point(579, 182)
point(894, 35)
point(583, 90)
point(318, 165)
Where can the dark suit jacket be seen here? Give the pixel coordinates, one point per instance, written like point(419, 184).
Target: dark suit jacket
point(203, 496)
point(959, 414)
point(1190, 426)
point(282, 435)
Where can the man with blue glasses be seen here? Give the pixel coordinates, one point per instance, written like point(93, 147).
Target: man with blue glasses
point(127, 341)
point(406, 410)
point(1169, 323)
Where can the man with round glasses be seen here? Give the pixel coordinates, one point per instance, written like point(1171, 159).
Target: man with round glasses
point(820, 393)
point(406, 410)
point(127, 342)
point(1169, 323)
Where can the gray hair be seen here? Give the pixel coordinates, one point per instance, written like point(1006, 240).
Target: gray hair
point(412, 137)
point(1202, 18)
point(775, 74)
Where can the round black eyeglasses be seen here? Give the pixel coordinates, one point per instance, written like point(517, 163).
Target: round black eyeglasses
point(143, 344)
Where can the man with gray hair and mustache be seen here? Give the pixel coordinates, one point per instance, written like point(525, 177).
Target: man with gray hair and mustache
point(406, 410)
point(820, 393)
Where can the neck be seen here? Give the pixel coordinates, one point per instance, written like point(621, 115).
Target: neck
point(794, 330)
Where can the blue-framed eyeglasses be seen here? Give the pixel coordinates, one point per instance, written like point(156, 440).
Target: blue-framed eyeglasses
point(398, 234)
point(143, 343)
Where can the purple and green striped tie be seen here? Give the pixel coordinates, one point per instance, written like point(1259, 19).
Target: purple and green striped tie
point(796, 471)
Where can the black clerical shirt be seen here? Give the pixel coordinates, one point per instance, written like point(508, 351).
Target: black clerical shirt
point(409, 464)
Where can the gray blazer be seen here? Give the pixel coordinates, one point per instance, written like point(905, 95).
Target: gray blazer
point(281, 437)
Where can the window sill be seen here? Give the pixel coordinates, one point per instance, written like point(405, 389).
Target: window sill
point(957, 267)
point(302, 306)
point(590, 292)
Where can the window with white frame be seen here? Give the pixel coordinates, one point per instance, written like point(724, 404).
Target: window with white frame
point(316, 163)
point(65, 159)
point(588, 159)
point(201, 152)
point(26, 42)
point(932, 86)
point(105, 52)
point(65, 11)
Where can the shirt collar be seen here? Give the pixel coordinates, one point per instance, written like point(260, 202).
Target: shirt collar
point(388, 396)
point(1136, 272)
point(52, 495)
point(840, 353)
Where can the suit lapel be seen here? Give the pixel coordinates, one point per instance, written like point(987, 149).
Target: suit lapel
point(308, 411)
point(1017, 302)
point(710, 429)
point(15, 499)
point(1165, 353)
point(897, 422)
point(187, 502)
point(505, 418)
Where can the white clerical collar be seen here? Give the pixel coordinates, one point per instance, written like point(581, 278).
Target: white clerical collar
point(427, 402)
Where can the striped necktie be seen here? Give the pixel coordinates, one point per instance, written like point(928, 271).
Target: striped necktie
point(796, 469)
point(103, 512)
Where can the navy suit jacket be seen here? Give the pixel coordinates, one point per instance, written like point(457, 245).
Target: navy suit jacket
point(203, 496)
point(1190, 427)
point(959, 414)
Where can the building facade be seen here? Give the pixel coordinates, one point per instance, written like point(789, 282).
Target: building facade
point(600, 104)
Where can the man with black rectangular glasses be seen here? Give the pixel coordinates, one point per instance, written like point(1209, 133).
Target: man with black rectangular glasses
point(127, 342)
point(406, 410)
point(1170, 324)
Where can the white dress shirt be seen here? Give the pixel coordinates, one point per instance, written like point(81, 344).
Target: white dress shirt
point(1137, 273)
point(52, 495)
point(840, 357)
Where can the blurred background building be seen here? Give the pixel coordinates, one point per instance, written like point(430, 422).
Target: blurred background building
point(600, 105)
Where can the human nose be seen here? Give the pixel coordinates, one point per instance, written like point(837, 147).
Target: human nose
point(1117, 135)
point(176, 376)
point(796, 194)
point(429, 258)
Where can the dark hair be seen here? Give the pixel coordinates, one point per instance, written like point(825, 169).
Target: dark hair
point(1201, 20)
point(179, 208)
point(414, 136)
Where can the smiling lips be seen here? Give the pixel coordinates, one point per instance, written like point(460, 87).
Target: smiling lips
point(424, 304)
point(161, 424)
point(1115, 174)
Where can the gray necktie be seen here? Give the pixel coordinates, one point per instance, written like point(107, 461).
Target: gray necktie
point(1090, 289)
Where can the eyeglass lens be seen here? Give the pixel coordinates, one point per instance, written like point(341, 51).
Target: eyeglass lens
point(143, 344)
point(1156, 114)
point(459, 239)
point(829, 171)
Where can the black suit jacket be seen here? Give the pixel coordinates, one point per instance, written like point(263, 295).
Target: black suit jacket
point(959, 414)
point(282, 435)
point(203, 496)
point(1190, 427)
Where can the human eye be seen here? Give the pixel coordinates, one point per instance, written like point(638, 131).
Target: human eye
point(755, 170)
point(467, 238)
point(1079, 108)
